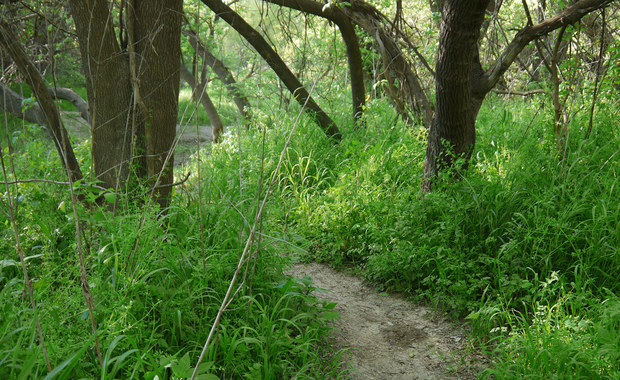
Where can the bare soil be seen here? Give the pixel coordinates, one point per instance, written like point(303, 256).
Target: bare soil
point(388, 337)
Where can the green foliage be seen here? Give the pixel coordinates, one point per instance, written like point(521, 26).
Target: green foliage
point(524, 230)
point(157, 281)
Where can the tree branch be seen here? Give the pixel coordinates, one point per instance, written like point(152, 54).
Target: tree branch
point(272, 58)
point(10, 42)
point(568, 16)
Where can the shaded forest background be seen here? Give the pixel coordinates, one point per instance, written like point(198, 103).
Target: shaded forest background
point(464, 155)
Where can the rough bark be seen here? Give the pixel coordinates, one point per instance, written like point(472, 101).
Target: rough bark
point(452, 134)
point(133, 94)
point(222, 72)
point(106, 70)
point(199, 93)
point(272, 58)
point(459, 99)
point(10, 42)
point(158, 44)
point(354, 56)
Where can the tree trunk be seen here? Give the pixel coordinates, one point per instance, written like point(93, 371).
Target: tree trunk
point(133, 96)
point(462, 84)
point(108, 86)
point(354, 56)
point(222, 72)
point(279, 67)
point(10, 42)
point(158, 44)
point(199, 93)
point(452, 134)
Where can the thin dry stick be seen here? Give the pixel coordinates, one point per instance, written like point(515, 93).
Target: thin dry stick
point(22, 256)
point(598, 76)
point(227, 298)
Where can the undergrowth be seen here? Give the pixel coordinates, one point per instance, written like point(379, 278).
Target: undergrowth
point(524, 249)
point(525, 245)
point(157, 280)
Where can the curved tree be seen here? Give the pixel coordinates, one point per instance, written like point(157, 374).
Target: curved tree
point(354, 56)
point(272, 58)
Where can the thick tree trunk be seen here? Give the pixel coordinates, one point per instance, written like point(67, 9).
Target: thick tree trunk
point(199, 93)
point(462, 84)
point(222, 72)
point(279, 67)
point(452, 134)
point(10, 42)
point(133, 97)
point(108, 86)
point(158, 44)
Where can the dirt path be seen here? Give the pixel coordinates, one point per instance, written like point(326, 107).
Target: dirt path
point(189, 137)
point(388, 337)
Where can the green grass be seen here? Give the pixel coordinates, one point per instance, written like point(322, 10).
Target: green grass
point(525, 230)
point(524, 249)
point(157, 284)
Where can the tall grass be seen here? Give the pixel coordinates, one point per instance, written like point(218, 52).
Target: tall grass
point(528, 230)
point(156, 282)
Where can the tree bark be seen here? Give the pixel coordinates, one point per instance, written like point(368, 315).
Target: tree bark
point(10, 42)
point(458, 98)
point(158, 44)
point(133, 96)
point(279, 67)
point(452, 134)
point(199, 93)
point(354, 56)
point(106, 70)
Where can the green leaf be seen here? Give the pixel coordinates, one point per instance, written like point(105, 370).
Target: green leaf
point(183, 367)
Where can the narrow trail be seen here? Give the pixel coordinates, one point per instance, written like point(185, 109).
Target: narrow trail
point(387, 336)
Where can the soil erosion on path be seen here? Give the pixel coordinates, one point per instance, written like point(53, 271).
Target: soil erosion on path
point(387, 336)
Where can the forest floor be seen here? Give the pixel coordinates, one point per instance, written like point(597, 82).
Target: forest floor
point(386, 336)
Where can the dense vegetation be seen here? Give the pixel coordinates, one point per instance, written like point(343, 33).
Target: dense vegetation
point(522, 247)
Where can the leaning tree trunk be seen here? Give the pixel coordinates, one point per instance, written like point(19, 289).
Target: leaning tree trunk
point(10, 42)
point(199, 93)
point(452, 134)
point(272, 58)
point(133, 93)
